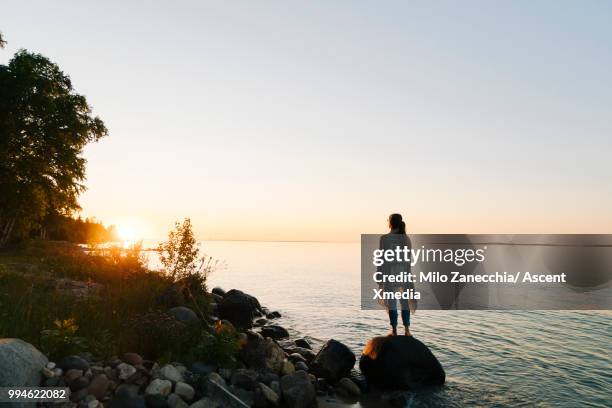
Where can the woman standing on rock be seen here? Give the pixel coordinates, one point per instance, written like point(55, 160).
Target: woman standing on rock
point(396, 238)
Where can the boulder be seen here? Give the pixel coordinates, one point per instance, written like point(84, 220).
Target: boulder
point(184, 315)
point(173, 295)
point(73, 362)
point(333, 361)
point(298, 391)
point(218, 291)
point(21, 364)
point(239, 308)
point(263, 354)
point(400, 362)
point(303, 343)
point(275, 332)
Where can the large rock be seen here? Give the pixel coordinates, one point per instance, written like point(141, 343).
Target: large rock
point(298, 391)
point(184, 315)
point(21, 364)
point(275, 332)
point(400, 362)
point(334, 361)
point(239, 308)
point(263, 354)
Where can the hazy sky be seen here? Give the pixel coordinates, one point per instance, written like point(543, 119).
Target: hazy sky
point(283, 120)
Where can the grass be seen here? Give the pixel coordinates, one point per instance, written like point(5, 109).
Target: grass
point(124, 314)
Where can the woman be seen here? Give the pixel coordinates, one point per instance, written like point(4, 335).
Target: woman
point(396, 238)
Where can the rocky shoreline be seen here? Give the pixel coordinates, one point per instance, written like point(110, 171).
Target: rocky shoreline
point(272, 370)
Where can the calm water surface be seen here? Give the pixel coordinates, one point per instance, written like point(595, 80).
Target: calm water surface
point(544, 359)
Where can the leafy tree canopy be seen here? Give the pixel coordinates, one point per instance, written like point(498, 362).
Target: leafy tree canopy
point(44, 126)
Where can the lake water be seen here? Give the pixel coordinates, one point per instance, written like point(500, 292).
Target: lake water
point(491, 358)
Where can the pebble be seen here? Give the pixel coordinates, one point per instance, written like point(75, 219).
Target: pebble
point(169, 372)
point(174, 401)
point(133, 359)
point(159, 386)
point(184, 390)
point(125, 371)
point(72, 375)
point(51, 365)
point(48, 373)
point(99, 386)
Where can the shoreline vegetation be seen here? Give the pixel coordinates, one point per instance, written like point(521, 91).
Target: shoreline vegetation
point(120, 335)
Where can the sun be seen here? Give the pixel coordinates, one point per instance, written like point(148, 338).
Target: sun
point(126, 232)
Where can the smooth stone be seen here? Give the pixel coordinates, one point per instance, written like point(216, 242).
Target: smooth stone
point(47, 373)
point(156, 401)
point(21, 365)
point(159, 386)
point(303, 343)
point(51, 365)
point(99, 386)
point(239, 308)
point(246, 379)
point(300, 365)
point(263, 355)
point(274, 332)
point(73, 363)
point(170, 372)
point(72, 375)
point(125, 371)
point(270, 396)
point(175, 401)
point(218, 291)
point(184, 390)
point(298, 391)
point(184, 315)
point(79, 384)
point(349, 386)
point(400, 363)
point(133, 359)
point(334, 361)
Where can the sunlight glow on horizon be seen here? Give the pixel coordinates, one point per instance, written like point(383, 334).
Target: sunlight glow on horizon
point(314, 122)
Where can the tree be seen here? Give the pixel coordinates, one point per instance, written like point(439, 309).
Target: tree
point(180, 253)
point(44, 126)
point(2, 41)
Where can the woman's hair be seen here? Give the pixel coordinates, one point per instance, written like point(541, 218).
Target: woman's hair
point(395, 221)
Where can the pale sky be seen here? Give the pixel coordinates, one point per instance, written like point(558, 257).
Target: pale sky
point(313, 121)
